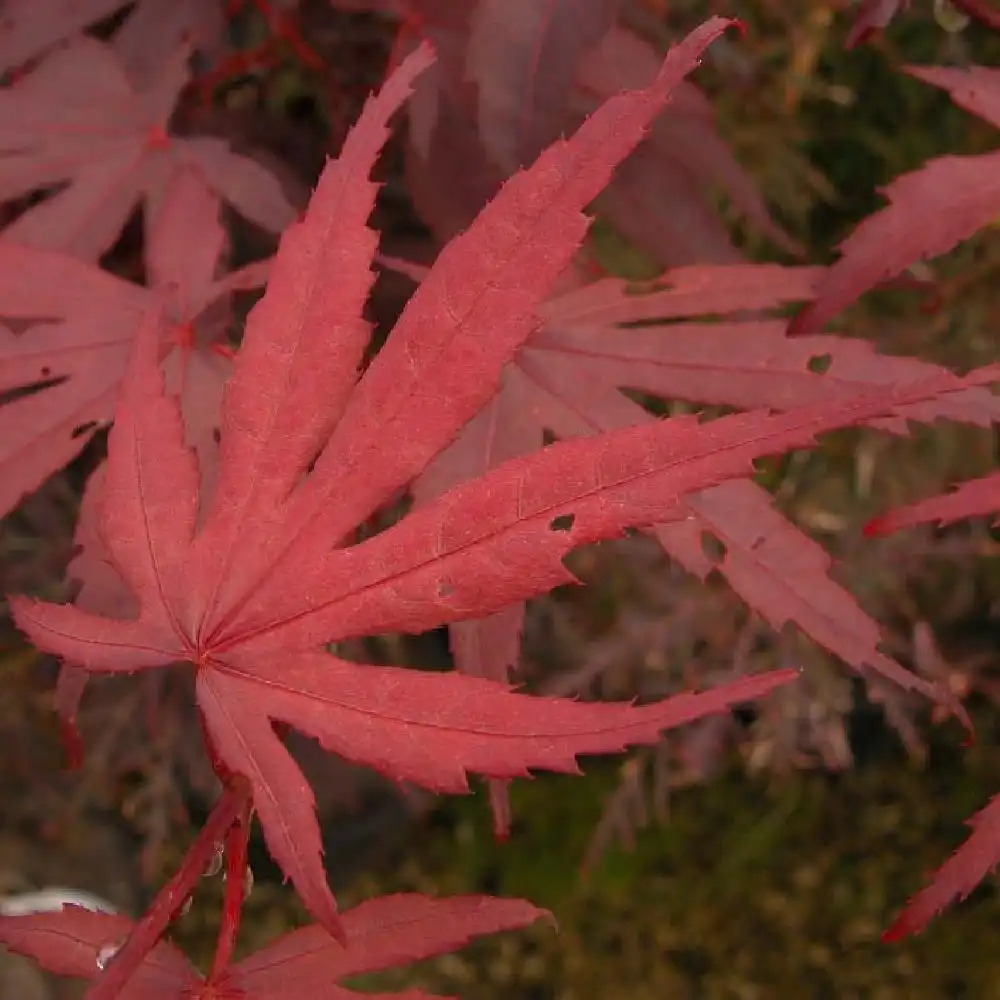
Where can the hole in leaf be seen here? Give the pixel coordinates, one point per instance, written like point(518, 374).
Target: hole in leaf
point(445, 589)
point(819, 364)
point(713, 549)
point(564, 522)
point(216, 435)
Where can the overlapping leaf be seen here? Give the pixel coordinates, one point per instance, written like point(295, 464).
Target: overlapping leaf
point(262, 574)
point(250, 583)
point(970, 499)
point(155, 27)
point(930, 210)
point(872, 16)
point(980, 854)
point(75, 323)
point(382, 933)
point(78, 123)
point(516, 75)
point(604, 337)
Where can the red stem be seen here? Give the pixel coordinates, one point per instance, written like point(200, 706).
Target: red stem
point(236, 879)
point(169, 900)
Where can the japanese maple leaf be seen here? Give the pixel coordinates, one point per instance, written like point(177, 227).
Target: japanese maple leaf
point(931, 209)
point(524, 57)
point(79, 122)
point(74, 365)
point(75, 324)
point(664, 198)
point(957, 877)
point(606, 336)
point(251, 585)
point(515, 75)
point(980, 854)
point(154, 27)
point(969, 499)
point(219, 596)
point(382, 933)
point(872, 16)
point(261, 578)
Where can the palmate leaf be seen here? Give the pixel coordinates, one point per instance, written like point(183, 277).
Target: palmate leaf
point(153, 27)
point(216, 594)
point(75, 323)
point(250, 583)
point(980, 854)
point(382, 933)
point(79, 122)
point(930, 210)
point(968, 499)
point(605, 336)
point(515, 75)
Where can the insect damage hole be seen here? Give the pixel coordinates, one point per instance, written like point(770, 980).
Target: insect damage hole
point(564, 522)
point(819, 364)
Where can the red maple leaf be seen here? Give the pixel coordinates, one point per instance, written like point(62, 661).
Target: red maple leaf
point(153, 27)
point(251, 591)
point(75, 323)
point(980, 854)
point(514, 75)
point(931, 209)
point(250, 582)
point(524, 58)
point(607, 335)
point(957, 877)
point(873, 16)
point(79, 121)
point(969, 499)
point(382, 933)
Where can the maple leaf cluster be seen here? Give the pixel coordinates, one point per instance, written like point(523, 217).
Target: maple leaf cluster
point(221, 531)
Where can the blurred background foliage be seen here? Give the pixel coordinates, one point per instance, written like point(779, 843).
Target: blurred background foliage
point(776, 876)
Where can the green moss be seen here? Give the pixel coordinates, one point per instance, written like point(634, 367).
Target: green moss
point(749, 891)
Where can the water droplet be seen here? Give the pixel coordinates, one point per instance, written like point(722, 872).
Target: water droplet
point(215, 865)
point(106, 952)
